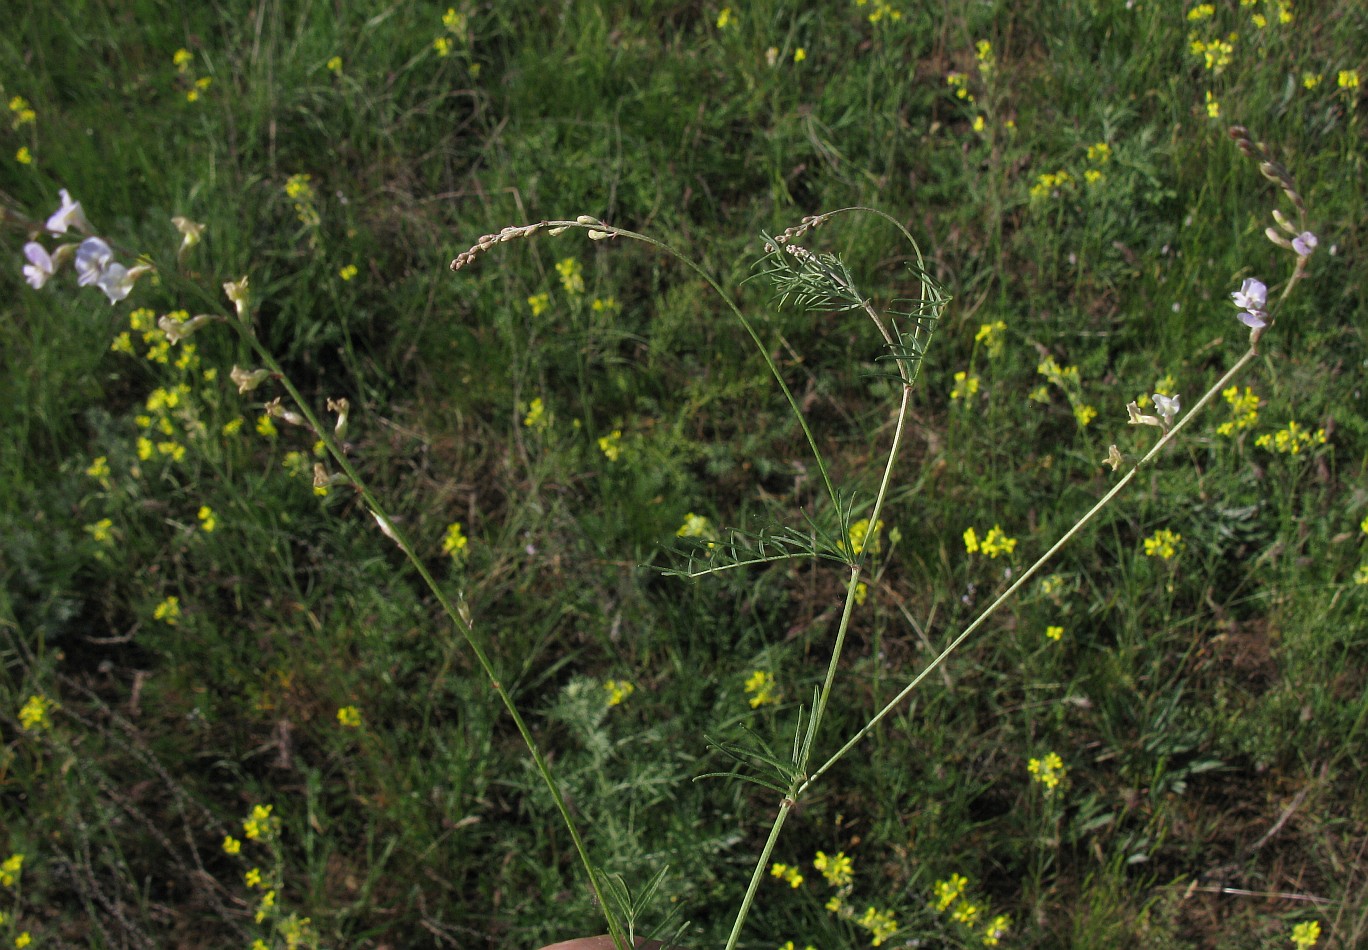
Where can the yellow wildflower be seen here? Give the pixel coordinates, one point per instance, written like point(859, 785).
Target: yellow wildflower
point(788, 874)
point(34, 715)
point(349, 717)
point(1054, 633)
point(760, 684)
point(618, 690)
point(23, 156)
point(1163, 544)
point(837, 868)
point(1049, 771)
point(168, 611)
point(1306, 934)
point(455, 542)
point(611, 445)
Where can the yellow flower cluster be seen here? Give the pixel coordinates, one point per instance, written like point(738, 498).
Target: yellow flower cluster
point(571, 276)
point(860, 534)
point(101, 532)
point(1306, 934)
point(1217, 53)
point(951, 893)
point(348, 272)
point(1049, 183)
point(300, 190)
point(725, 18)
point(1054, 633)
point(694, 526)
point(10, 869)
point(22, 113)
point(838, 869)
point(991, 336)
point(539, 303)
point(966, 385)
point(618, 691)
point(958, 82)
point(787, 873)
point(983, 54)
point(1292, 440)
point(458, 25)
point(260, 825)
point(994, 544)
point(611, 445)
point(168, 611)
point(334, 65)
point(881, 10)
point(1244, 410)
point(349, 717)
point(1163, 544)
point(536, 417)
point(182, 59)
point(34, 713)
point(1049, 771)
point(761, 688)
point(1056, 374)
point(455, 542)
point(880, 924)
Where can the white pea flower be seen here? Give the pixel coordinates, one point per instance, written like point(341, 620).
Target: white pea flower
point(1167, 407)
point(40, 266)
point(69, 215)
point(117, 281)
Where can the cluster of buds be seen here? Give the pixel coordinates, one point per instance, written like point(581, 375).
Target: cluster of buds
point(92, 259)
point(487, 241)
point(1296, 238)
point(597, 229)
point(1270, 169)
point(809, 223)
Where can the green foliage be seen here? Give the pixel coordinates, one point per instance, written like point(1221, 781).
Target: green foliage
point(206, 631)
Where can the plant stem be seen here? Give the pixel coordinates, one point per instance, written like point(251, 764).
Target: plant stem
point(1006, 595)
point(458, 618)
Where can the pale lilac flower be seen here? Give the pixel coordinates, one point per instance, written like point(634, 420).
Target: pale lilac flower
point(92, 257)
point(1304, 243)
point(1252, 298)
point(1252, 295)
point(1167, 407)
point(40, 266)
point(69, 215)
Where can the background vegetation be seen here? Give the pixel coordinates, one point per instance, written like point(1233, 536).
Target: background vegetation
point(189, 633)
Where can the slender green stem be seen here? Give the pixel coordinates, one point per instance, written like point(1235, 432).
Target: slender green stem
point(458, 618)
point(1030, 572)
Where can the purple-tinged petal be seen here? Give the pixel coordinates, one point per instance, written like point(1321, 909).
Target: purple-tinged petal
point(40, 266)
point(91, 259)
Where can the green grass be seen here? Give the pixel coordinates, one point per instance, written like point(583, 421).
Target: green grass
point(1210, 709)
